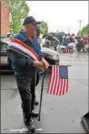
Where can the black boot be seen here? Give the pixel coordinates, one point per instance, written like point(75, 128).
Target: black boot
point(29, 124)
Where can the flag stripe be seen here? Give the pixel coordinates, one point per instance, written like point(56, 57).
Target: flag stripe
point(67, 87)
point(49, 84)
point(63, 89)
point(57, 84)
point(60, 88)
point(51, 79)
point(55, 79)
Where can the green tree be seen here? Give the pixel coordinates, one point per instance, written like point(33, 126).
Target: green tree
point(61, 33)
point(85, 30)
point(44, 27)
point(18, 11)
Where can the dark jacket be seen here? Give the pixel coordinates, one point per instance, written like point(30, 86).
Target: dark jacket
point(22, 65)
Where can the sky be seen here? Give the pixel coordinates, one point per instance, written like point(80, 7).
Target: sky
point(60, 15)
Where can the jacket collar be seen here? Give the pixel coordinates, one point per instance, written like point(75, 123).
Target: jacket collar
point(23, 37)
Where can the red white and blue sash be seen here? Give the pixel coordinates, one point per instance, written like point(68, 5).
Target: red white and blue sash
point(19, 46)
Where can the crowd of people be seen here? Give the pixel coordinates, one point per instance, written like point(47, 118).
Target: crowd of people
point(81, 43)
point(70, 41)
point(67, 42)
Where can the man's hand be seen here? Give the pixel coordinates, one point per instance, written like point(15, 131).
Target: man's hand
point(38, 64)
point(45, 63)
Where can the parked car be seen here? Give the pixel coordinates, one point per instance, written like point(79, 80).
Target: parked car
point(50, 55)
point(4, 61)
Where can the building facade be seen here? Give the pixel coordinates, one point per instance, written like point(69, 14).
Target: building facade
point(5, 19)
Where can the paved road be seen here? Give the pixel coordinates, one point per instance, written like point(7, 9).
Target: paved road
point(59, 114)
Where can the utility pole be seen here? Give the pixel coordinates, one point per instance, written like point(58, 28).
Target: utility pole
point(68, 29)
point(80, 23)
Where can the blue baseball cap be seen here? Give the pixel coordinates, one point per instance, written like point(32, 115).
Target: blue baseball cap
point(30, 20)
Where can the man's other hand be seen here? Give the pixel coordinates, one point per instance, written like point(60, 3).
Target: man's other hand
point(45, 63)
point(38, 64)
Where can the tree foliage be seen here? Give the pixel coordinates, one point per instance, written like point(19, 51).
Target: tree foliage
point(18, 11)
point(62, 33)
point(44, 27)
point(85, 30)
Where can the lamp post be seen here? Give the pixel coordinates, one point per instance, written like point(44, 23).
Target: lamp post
point(80, 24)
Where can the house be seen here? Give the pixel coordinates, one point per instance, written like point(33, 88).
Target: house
point(5, 19)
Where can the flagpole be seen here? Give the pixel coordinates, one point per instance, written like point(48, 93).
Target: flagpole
point(42, 86)
point(41, 94)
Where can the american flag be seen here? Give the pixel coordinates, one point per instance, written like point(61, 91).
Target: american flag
point(58, 83)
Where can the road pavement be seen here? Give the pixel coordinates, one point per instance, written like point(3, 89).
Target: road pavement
point(60, 114)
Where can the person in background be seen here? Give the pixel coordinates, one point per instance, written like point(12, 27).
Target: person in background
point(80, 45)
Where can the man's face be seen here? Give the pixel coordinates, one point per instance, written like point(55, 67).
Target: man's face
point(31, 29)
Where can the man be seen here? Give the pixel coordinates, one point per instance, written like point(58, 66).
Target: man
point(25, 58)
point(80, 46)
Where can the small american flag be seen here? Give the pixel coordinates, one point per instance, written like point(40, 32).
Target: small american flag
point(58, 83)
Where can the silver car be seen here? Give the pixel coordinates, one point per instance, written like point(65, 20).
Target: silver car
point(4, 61)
